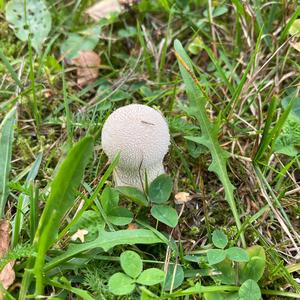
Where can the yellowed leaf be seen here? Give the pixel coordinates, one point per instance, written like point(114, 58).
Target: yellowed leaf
point(182, 197)
point(7, 275)
point(87, 64)
point(103, 9)
point(79, 234)
point(296, 46)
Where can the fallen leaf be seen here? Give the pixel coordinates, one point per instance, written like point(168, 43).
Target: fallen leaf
point(132, 226)
point(182, 197)
point(296, 46)
point(103, 9)
point(79, 235)
point(7, 275)
point(87, 64)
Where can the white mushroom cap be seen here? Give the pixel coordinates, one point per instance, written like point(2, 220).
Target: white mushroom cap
point(141, 135)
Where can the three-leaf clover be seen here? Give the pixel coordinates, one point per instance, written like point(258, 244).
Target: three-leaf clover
point(132, 265)
point(220, 241)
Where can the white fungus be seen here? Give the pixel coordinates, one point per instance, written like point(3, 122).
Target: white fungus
point(141, 135)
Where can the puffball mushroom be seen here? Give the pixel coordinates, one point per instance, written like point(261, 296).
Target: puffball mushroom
point(141, 135)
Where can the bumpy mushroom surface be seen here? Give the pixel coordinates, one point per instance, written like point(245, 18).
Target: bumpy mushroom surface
point(141, 135)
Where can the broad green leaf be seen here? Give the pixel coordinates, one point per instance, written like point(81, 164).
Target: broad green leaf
point(196, 45)
point(253, 269)
point(151, 276)
point(61, 198)
point(228, 273)
point(91, 221)
point(35, 21)
point(85, 41)
point(221, 296)
point(120, 284)
point(6, 140)
point(63, 189)
point(107, 240)
point(133, 194)
point(160, 189)
point(215, 256)
point(250, 290)
point(219, 239)
point(109, 199)
point(237, 254)
point(131, 263)
point(256, 250)
point(175, 277)
point(165, 214)
point(209, 131)
point(120, 216)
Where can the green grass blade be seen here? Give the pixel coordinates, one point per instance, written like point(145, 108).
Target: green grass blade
point(270, 135)
point(10, 69)
point(209, 131)
point(61, 198)
point(93, 197)
point(23, 201)
point(6, 140)
point(288, 25)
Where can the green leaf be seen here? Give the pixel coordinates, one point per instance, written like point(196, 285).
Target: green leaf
point(92, 222)
point(256, 250)
point(196, 45)
point(237, 254)
point(107, 240)
point(120, 216)
point(6, 140)
point(219, 239)
point(160, 189)
point(228, 273)
point(131, 263)
point(61, 198)
point(175, 277)
point(221, 296)
point(120, 284)
point(151, 276)
point(165, 214)
point(215, 256)
point(295, 28)
point(209, 138)
point(253, 269)
point(249, 290)
point(35, 20)
point(133, 194)
point(85, 41)
point(109, 199)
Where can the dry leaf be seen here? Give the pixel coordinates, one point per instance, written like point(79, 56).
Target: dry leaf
point(104, 9)
point(79, 235)
point(87, 64)
point(7, 275)
point(296, 46)
point(132, 226)
point(182, 197)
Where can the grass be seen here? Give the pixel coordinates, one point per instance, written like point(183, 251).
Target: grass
point(232, 106)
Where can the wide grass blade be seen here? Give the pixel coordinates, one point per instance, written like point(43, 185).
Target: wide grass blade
point(6, 140)
point(209, 130)
point(61, 198)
